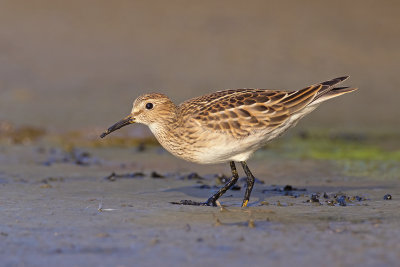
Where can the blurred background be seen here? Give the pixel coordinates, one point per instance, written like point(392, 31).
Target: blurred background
point(70, 65)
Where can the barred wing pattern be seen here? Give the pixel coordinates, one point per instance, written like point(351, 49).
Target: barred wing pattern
point(242, 112)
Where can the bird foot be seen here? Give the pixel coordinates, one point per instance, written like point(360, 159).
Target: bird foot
point(195, 203)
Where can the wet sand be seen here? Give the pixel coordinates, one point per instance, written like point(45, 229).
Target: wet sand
point(59, 208)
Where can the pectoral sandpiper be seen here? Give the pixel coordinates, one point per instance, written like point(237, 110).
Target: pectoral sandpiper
point(226, 126)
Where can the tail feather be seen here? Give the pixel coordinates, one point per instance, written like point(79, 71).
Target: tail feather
point(314, 94)
point(335, 81)
point(345, 89)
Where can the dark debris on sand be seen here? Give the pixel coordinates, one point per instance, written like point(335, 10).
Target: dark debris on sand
point(287, 190)
point(155, 174)
point(387, 197)
point(75, 156)
point(338, 199)
point(113, 176)
point(314, 199)
point(191, 176)
point(215, 181)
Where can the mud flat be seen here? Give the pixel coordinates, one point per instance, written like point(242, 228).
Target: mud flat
point(64, 206)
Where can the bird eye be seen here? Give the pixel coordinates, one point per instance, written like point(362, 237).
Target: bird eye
point(149, 105)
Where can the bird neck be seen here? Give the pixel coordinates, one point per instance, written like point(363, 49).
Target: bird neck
point(166, 125)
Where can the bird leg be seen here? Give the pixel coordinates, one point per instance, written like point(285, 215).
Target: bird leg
point(250, 183)
point(212, 200)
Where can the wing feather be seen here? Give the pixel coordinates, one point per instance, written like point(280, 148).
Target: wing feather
point(244, 111)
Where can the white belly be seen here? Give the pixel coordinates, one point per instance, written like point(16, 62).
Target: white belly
point(224, 149)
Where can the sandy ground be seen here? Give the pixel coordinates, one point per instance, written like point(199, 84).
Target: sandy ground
point(62, 210)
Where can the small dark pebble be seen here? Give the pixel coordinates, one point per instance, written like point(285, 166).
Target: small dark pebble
point(288, 188)
point(136, 174)
point(113, 176)
point(141, 147)
point(387, 197)
point(338, 199)
point(191, 176)
point(81, 157)
point(304, 135)
point(342, 201)
point(330, 202)
point(358, 198)
point(235, 187)
point(75, 156)
point(156, 175)
point(314, 198)
point(204, 186)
